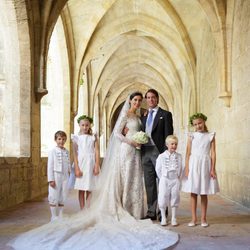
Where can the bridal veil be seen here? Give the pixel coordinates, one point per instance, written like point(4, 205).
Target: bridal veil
point(105, 224)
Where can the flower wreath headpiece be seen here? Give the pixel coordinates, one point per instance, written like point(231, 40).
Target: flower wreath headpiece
point(196, 116)
point(85, 117)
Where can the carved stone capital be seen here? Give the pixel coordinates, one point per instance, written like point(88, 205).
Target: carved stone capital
point(39, 93)
point(226, 97)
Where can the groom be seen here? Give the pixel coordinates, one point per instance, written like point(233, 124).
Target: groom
point(158, 124)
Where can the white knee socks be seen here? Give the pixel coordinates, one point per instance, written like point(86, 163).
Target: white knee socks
point(163, 217)
point(60, 211)
point(53, 213)
point(173, 221)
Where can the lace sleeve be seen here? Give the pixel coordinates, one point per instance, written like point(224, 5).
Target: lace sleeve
point(118, 131)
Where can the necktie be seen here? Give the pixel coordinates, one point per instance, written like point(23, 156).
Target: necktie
point(150, 120)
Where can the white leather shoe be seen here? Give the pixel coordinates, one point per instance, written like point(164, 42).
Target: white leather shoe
point(174, 223)
point(163, 222)
point(204, 224)
point(191, 224)
point(54, 218)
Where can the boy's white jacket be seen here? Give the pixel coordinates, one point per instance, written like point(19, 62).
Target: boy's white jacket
point(168, 162)
point(55, 162)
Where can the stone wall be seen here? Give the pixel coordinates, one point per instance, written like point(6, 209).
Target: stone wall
point(232, 124)
point(21, 180)
point(236, 183)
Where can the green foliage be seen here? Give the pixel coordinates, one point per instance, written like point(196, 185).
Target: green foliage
point(85, 117)
point(197, 116)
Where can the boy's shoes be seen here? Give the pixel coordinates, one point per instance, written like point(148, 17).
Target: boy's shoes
point(54, 218)
point(159, 214)
point(204, 224)
point(174, 223)
point(191, 224)
point(164, 222)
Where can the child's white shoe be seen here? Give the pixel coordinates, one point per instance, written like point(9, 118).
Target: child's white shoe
point(204, 224)
point(164, 221)
point(191, 224)
point(174, 222)
point(53, 218)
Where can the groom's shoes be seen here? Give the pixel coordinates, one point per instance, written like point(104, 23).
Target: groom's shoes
point(149, 217)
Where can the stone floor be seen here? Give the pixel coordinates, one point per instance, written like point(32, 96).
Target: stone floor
point(229, 223)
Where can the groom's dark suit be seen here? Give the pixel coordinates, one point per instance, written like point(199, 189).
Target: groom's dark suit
point(162, 127)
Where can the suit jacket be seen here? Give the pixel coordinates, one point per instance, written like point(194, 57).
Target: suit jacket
point(162, 127)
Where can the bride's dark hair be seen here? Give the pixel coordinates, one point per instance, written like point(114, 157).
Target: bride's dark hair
point(135, 94)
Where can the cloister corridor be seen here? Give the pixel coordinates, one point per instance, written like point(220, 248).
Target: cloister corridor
point(60, 59)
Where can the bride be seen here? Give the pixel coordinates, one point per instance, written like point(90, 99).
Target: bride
point(112, 220)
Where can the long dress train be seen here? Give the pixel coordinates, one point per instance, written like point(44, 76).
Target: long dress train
point(108, 223)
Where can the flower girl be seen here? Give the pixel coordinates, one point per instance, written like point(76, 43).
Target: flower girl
point(200, 167)
point(86, 159)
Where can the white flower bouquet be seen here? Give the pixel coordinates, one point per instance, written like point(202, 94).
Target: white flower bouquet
point(140, 137)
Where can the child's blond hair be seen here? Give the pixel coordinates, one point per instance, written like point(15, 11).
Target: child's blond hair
point(171, 138)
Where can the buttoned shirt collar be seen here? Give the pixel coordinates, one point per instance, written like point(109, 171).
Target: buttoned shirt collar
point(155, 109)
point(169, 154)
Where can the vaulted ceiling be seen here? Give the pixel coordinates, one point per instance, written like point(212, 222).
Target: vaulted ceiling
point(120, 46)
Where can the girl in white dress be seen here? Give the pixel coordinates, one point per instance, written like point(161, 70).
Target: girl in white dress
point(200, 167)
point(86, 159)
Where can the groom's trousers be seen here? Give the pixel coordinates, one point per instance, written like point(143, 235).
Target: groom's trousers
point(149, 156)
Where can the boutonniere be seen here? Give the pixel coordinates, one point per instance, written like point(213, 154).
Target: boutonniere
point(145, 113)
point(161, 117)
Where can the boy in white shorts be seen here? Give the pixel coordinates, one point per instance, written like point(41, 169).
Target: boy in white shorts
point(168, 169)
point(58, 174)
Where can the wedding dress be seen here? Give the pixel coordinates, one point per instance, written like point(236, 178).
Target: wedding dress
point(131, 175)
point(111, 221)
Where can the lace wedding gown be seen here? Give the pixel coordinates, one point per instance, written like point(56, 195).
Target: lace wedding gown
point(110, 222)
point(131, 175)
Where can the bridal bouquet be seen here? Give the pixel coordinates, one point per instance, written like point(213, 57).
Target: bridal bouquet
point(140, 137)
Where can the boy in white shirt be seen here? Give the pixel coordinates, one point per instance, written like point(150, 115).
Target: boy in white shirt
point(168, 169)
point(58, 174)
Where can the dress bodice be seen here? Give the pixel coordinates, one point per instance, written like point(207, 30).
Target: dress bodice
point(201, 143)
point(85, 143)
point(134, 125)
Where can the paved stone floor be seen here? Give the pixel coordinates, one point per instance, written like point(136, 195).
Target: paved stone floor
point(229, 223)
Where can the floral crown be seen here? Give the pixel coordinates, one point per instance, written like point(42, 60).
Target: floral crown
point(85, 117)
point(196, 116)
